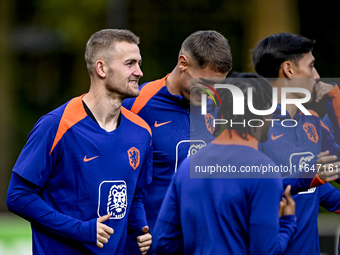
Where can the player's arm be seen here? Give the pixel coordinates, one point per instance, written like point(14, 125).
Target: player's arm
point(167, 236)
point(23, 199)
point(264, 214)
point(320, 170)
point(330, 198)
point(327, 121)
point(31, 172)
point(324, 168)
point(330, 95)
point(287, 204)
point(322, 89)
point(138, 228)
point(137, 217)
point(144, 241)
point(330, 144)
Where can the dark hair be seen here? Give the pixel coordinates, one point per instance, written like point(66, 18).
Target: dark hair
point(262, 97)
point(209, 48)
point(272, 51)
point(103, 40)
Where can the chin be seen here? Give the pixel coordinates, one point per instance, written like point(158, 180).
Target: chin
point(132, 94)
point(134, 91)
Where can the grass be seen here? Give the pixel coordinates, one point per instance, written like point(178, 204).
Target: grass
point(15, 235)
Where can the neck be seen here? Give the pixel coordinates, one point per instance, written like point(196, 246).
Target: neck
point(105, 107)
point(256, 133)
point(172, 82)
point(282, 83)
point(225, 139)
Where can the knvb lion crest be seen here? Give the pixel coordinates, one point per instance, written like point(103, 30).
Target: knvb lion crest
point(117, 201)
point(195, 147)
point(311, 132)
point(113, 199)
point(134, 157)
point(209, 122)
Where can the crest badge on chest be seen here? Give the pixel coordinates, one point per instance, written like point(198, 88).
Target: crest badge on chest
point(311, 132)
point(209, 122)
point(134, 157)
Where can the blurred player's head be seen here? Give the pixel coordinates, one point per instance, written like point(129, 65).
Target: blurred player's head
point(113, 58)
point(272, 51)
point(204, 54)
point(261, 99)
point(208, 48)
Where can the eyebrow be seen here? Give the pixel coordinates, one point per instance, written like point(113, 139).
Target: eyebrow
point(133, 60)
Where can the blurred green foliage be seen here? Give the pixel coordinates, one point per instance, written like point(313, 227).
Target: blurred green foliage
point(47, 38)
point(76, 20)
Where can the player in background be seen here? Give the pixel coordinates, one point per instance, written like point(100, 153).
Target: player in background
point(81, 171)
point(288, 59)
point(165, 105)
point(237, 213)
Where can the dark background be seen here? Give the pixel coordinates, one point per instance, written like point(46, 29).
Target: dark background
point(42, 46)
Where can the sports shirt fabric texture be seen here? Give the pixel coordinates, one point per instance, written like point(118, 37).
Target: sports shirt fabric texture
point(178, 129)
point(223, 215)
point(71, 171)
point(331, 102)
point(299, 146)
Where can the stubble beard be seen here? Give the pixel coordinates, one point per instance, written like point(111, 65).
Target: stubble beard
point(120, 88)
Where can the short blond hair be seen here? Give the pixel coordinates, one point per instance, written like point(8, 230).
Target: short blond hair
point(103, 40)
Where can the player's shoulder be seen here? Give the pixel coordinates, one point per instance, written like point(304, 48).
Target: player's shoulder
point(48, 125)
point(135, 119)
point(313, 113)
point(69, 113)
point(183, 171)
point(313, 118)
point(152, 87)
point(147, 92)
point(53, 117)
point(129, 102)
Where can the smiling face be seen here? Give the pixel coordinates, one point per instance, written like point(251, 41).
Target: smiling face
point(124, 70)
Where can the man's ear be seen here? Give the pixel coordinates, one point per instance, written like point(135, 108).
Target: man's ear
point(101, 68)
point(287, 69)
point(183, 63)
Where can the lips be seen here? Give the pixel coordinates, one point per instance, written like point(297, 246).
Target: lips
point(134, 83)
